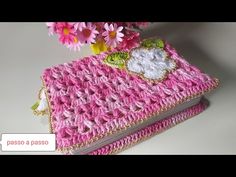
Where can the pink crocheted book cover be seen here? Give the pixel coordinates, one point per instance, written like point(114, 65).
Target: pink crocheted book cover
point(97, 98)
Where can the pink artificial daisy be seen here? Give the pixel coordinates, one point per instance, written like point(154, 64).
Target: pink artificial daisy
point(113, 35)
point(100, 29)
point(130, 40)
point(51, 28)
point(66, 32)
point(99, 26)
point(87, 33)
point(74, 46)
point(79, 25)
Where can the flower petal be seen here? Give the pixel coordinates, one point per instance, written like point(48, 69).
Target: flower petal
point(106, 27)
point(120, 28)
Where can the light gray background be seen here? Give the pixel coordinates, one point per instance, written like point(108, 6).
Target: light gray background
point(26, 50)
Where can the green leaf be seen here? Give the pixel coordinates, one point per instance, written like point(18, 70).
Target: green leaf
point(117, 59)
point(160, 43)
point(35, 106)
point(150, 43)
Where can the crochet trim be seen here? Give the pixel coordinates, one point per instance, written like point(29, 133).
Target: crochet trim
point(152, 130)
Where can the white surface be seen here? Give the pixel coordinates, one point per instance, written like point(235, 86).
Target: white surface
point(26, 49)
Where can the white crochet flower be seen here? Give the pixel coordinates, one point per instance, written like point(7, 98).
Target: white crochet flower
point(151, 63)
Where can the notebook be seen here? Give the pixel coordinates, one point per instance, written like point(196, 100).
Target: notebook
point(105, 103)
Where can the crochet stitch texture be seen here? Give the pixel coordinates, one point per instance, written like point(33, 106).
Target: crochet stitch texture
point(89, 99)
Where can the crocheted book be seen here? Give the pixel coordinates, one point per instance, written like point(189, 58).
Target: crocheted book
point(105, 103)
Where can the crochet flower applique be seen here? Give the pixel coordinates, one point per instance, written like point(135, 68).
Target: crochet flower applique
point(150, 60)
point(152, 64)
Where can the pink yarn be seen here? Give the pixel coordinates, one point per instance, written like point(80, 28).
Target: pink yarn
point(89, 98)
point(151, 130)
